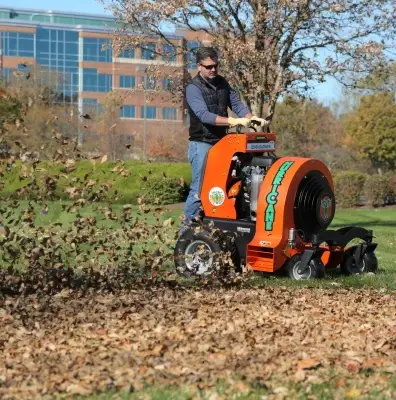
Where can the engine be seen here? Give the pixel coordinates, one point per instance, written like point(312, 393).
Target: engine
point(251, 171)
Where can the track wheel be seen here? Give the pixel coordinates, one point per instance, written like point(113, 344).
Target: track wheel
point(196, 253)
point(368, 263)
point(314, 269)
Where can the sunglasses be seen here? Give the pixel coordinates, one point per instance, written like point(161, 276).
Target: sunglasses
point(209, 67)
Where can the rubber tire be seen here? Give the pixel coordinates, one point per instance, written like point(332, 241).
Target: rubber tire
point(184, 240)
point(370, 263)
point(316, 265)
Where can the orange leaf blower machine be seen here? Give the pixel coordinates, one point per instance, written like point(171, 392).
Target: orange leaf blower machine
point(277, 211)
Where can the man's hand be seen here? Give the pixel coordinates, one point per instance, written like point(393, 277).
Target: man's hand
point(260, 121)
point(239, 121)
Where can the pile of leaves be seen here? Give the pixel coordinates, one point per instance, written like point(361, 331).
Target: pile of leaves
point(277, 339)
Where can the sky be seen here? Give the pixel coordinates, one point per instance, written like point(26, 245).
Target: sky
point(324, 92)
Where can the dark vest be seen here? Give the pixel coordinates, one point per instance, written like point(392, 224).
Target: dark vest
point(217, 100)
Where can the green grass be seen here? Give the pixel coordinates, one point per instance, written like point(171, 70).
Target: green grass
point(56, 213)
point(126, 177)
point(382, 221)
point(325, 391)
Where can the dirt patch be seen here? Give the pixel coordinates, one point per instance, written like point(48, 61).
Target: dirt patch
point(78, 345)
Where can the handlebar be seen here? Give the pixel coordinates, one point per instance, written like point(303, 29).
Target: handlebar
point(239, 128)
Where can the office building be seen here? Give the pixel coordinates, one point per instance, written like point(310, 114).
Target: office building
point(77, 46)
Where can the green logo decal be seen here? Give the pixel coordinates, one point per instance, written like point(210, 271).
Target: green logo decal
point(272, 196)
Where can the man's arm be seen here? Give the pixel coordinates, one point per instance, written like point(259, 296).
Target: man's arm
point(197, 103)
point(237, 106)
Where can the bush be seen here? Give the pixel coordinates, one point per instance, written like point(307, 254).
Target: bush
point(391, 199)
point(377, 190)
point(127, 181)
point(349, 188)
point(164, 190)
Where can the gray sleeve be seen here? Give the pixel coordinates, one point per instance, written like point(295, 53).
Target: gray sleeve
point(197, 103)
point(236, 104)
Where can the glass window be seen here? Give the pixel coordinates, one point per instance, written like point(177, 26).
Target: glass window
point(148, 51)
point(17, 44)
point(168, 113)
point(192, 47)
point(169, 53)
point(167, 84)
point(148, 82)
point(128, 111)
point(130, 53)
point(127, 81)
point(71, 36)
point(96, 49)
point(151, 112)
point(6, 74)
point(57, 55)
point(94, 82)
point(91, 105)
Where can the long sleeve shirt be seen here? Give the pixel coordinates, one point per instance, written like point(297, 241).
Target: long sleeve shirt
point(197, 103)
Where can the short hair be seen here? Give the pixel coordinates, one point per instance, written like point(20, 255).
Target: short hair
point(205, 52)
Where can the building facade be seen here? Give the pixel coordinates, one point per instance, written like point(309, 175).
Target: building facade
point(77, 47)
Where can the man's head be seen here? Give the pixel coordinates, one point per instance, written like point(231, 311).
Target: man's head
point(208, 61)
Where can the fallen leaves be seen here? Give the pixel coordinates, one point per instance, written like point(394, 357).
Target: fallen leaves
point(308, 363)
point(76, 344)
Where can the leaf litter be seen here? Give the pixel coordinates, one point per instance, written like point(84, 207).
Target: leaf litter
point(77, 344)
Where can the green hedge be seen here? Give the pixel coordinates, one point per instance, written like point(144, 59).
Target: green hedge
point(116, 182)
point(377, 190)
point(348, 188)
point(354, 189)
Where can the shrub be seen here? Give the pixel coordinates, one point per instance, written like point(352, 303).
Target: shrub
point(127, 180)
point(377, 190)
point(164, 190)
point(391, 176)
point(349, 188)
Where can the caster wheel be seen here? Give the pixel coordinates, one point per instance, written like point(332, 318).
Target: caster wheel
point(314, 269)
point(368, 263)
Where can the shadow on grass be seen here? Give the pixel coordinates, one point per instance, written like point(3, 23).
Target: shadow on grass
point(365, 224)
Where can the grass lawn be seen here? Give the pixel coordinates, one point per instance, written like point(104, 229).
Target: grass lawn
point(382, 221)
point(242, 391)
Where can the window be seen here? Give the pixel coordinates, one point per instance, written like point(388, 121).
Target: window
point(6, 74)
point(192, 47)
point(148, 51)
point(169, 53)
point(128, 111)
point(94, 82)
point(127, 81)
point(130, 53)
point(97, 49)
point(148, 82)
point(167, 84)
point(57, 52)
point(168, 113)
point(18, 44)
point(151, 112)
point(91, 105)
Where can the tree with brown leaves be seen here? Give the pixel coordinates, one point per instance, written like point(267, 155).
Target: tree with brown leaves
point(269, 48)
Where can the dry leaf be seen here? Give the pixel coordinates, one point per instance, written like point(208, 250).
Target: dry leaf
point(308, 363)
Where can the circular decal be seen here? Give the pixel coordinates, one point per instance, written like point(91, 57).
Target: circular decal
point(216, 196)
point(326, 208)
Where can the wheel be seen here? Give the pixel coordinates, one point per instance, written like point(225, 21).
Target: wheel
point(196, 253)
point(369, 263)
point(314, 269)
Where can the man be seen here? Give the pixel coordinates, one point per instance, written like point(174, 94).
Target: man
point(209, 96)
